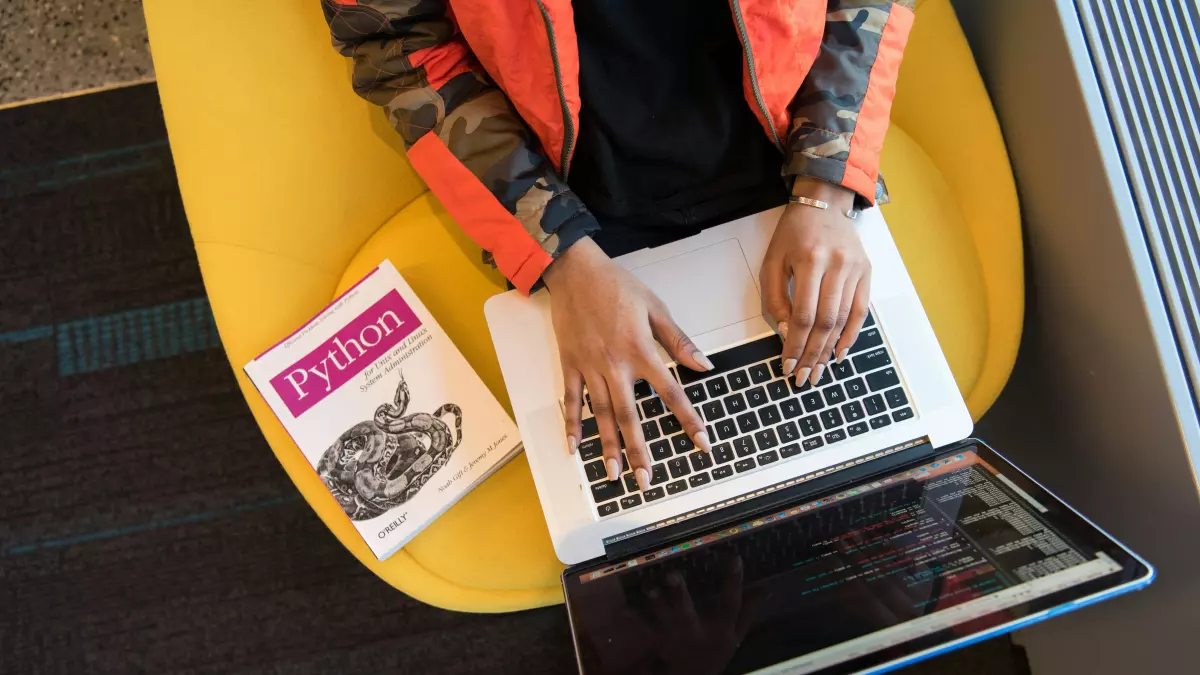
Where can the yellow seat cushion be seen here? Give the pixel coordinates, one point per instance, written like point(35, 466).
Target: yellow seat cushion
point(294, 188)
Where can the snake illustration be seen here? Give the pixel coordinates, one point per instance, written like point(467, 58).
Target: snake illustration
point(379, 464)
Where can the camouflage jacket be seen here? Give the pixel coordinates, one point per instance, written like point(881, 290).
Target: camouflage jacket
point(485, 94)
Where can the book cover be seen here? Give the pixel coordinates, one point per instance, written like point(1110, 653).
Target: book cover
point(385, 408)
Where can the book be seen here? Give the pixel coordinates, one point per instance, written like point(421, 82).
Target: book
point(385, 408)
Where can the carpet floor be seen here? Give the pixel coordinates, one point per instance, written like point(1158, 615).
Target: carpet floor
point(145, 525)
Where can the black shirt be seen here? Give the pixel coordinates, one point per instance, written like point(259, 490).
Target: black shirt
point(666, 138)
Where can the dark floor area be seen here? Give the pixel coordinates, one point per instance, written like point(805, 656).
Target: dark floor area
point(145, 526)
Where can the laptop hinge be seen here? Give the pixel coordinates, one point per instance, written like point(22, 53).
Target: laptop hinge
point(769, 498)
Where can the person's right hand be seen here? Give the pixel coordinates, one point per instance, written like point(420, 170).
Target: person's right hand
point(607, 323)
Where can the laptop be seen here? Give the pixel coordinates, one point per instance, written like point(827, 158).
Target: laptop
point(850, 526)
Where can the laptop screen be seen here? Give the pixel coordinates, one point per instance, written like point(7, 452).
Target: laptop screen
point(945, 549)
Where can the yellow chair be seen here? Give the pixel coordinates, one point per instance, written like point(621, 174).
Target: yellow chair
point(294, 188)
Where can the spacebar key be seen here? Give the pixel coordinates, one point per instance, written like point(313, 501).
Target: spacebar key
point(736, 357)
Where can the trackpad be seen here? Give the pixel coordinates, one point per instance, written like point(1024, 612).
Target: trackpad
point(706, 289)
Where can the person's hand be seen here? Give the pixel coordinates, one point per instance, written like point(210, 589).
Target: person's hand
point(820, 252)
point(607, 324)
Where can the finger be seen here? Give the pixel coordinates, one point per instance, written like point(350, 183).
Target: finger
point(606, 423)
point(676, 342)
point(773, 277)
point(572, 406)
point(681, 601)
point(828, 305)
point(858, 314)
point(829, 352)
point(624, 405)
point(806, 288)
point(672, 393)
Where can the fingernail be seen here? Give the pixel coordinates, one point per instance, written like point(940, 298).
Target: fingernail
point(642, 477)
point(614, 469)
point(842, 354)
point(788, 366)
point(701, 441)
point(702, 360)
point(802, 376)
point(816, 374)
point(572, 444)
point(783, 329)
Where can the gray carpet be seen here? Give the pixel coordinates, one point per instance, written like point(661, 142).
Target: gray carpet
point(145, 526)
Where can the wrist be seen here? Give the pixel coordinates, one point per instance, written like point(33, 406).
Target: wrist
point(839, 198)
point(581, 253)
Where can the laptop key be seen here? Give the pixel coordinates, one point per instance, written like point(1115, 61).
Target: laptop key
point(682, 444)
point(883, 379)
point(641, 390)
point(747, 422)
point(855, 387)
point(777, 390)
point(812, 401)
point(766, 439)
point(695, 393)
point(812, 443)
point(902, 414)
point(701, 461)
point(744, 446)
point(738, 380)
point(857, 428)
point(735, 357)
point(831, 418)
point(722, 472)
point(699, 479)
point(870, 321)
point(760, 373)
point(658, 474)
point(650, 430)
point(676, 487)
point(630, 482)
point(735, 404)
point(841, 370)
point(609, 489)
point(880, 422)
point(777, 366)
point(866, 340)
point(769, 415)
point(727, 429)
point(876, 358)
point(756, 396)
point(791, 408)
point(595, 471)
point(787, 432)
point(607, 509)
point(874, 404)
point(670, 425)
point(654, 493)
point(716, 387)
point(826, 378)
point(835, 436)
point(765, 458)
point(790, 450)
point(631, 501)
point(589, 428)
point(743, 465)
point(896, 397)
point(653, 407)
point(713, 410)
point(660, 450)
point(853, 411)
point(798, 388)
point(590, 449)
point(723, 453)
point(809, 425)
point(834, 395)
point(678, 467)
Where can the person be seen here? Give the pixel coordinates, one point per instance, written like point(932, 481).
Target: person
point(562, 133)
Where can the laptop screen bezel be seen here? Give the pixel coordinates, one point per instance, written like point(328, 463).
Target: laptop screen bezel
point(1134, 573)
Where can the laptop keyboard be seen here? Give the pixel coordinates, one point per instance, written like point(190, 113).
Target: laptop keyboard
point(755, 418)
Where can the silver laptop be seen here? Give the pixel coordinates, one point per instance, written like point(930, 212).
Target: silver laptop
point(894, 389)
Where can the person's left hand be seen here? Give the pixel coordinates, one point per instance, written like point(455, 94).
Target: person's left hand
point(819, 251)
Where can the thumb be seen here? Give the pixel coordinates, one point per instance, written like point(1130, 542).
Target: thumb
point(774, 283)
point(676, 342)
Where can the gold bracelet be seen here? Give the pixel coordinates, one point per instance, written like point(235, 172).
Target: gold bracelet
point(815, 203)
